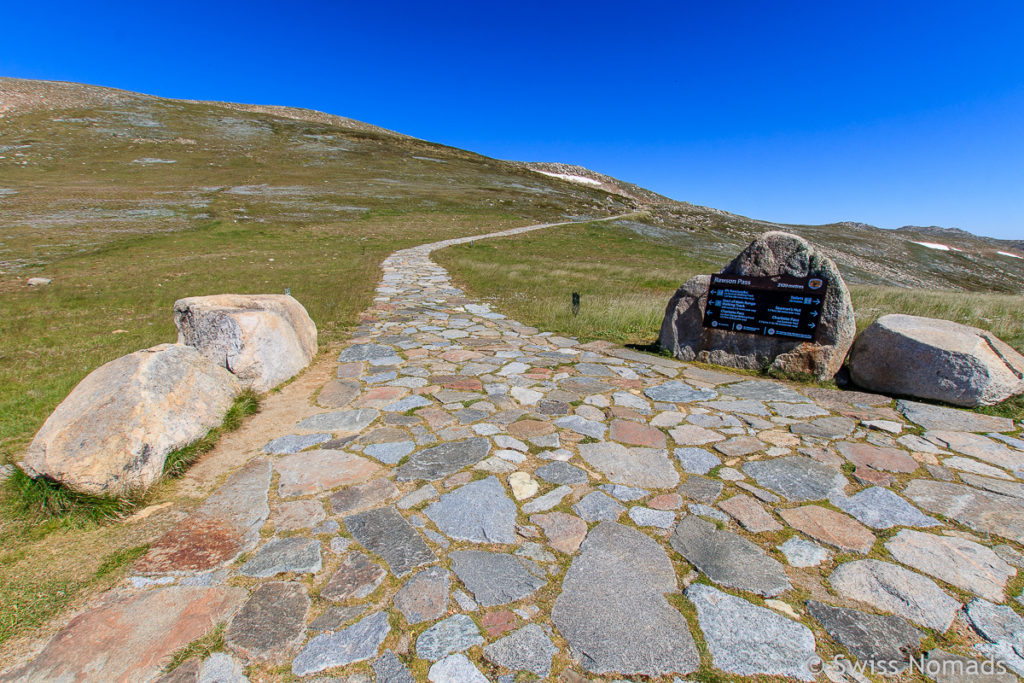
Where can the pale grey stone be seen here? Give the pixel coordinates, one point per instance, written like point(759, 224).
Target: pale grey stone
point(582, 426)
point(640, 467)
point(389, 453)
point(957, 561)
point(547, 501)
point(559, 472)
point(727, 558)
point(597, 507)
point(361, 352)
point(279, 555)
point(496, 578)
point(221, 667)
point(800, 552)
point(825, 427)
point(454, 634)
point(293, 443)
point(624, 493)
point(353, 644)
point(525, 649)
point(937, 417)
point(642, 516)
point(613, 611)
point(388, 668)
point(480, 511)
point(890, 588)
point(679, 392)
point(701, 489)
point(748, 640)
point(455, 669)
point(764, 390)
point(989, 513)
point(407, 403)
point(880, 508)
point(425, 493)
point(697, 460)
point(994, 623)
point(340, 421)
point(703, 510)
point(438, 462)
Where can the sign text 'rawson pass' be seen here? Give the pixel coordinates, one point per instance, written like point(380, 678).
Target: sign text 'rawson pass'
point(780, 306)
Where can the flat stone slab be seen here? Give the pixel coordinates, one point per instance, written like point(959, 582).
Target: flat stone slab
point(643, 467)
point(581, 425)
point(951, 668)
point(880, 508)
point(830, 527)
point(298, 514)
point(748, 640)
point(293, 443)
point(226, 525)
point(280, 555)
point(937, 417)
point(701, 489)
point(438, 462)
point(679, 392)
point(455, 669)
point(362, 352)
point(338, 393)
point(890, 588)
point(363, 496)
point(385, 532)
point(388, 668)
point(357, 577)
point(643, 516)
point(270, 622)
point(877, 457)
point(613, 611)
point(750, 514)
point(800, 552)
point(738, 446)
point(597, 507)
point(480, 511)
point(454, 634)
point(989, 513)
point(527, 649)
point(558, 472)
point(149, 627)
point(879, 639)
point(356, 643)
point(825, 427)
point(957, 561)
point(390, 453)
point(697, 460)
point(763, 390)
point(565, 532)
point(312, 472)
point(334, 617)
point(496, 578)
point(978, 446)
point(727, 558)
point(424, 597)
point(339, 421)
point(796, 477)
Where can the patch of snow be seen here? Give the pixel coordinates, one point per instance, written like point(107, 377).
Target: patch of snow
point(937, 246)
point(1006, 253)
point(7, 192)
point(572, 178)
point(440, 161)
point(153, 160)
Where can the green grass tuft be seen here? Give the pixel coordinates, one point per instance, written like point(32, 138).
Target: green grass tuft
point(43, 499)
point(201, 647)
point(121, 558)
point(178, 461)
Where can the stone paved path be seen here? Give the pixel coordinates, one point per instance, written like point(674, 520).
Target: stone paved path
point(480, 499)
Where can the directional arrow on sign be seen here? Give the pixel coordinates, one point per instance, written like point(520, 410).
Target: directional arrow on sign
point(810, 325)
point(814, 313)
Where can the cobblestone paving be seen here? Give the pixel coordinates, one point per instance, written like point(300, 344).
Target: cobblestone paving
point(480, 499)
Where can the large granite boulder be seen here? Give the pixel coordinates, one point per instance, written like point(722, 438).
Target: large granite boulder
point(936, 359)
point(111, 434)
point(771, 254)
point(264, 339)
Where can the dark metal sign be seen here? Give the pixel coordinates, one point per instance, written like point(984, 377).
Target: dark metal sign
point(782, 306)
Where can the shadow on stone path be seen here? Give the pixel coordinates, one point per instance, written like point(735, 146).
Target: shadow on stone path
point(479, 498)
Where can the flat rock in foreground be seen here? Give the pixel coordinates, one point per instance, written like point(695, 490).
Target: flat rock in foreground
point(112, 433)
point(957, 561)
point(746, 639)
point(989, 513)
point(936, 359)
point(891, 588)
point(877, 638)
point(613, 610)
point(131, 638)
point(727, 558)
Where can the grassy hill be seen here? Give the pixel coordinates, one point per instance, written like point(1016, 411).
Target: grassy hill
point(129, 202)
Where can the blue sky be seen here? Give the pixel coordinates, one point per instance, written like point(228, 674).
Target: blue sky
point(890, 113)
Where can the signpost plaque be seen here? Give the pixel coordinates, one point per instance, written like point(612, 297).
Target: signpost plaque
point(780, 306)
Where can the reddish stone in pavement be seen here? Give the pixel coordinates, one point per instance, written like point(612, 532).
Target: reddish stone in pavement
point(877, 457)
point(378, 397)
point(637, 434)
point(627, 383)
point(565, 532)
point(866, 475)
point(830, 527)
point(749, 513)
point(666, 501)
point(458, 480)
point(525, 429)
point(416, 353)
point(627, 414)
point(349, 370)
point(435, 417)
point(460, 355)
point(496, 623)
point(131, 638)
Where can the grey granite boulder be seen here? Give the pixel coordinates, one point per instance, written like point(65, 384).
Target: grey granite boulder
point(771, 254)
point(112, 433)
point(936, 359)
point(497, 578)
point(263, 339)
